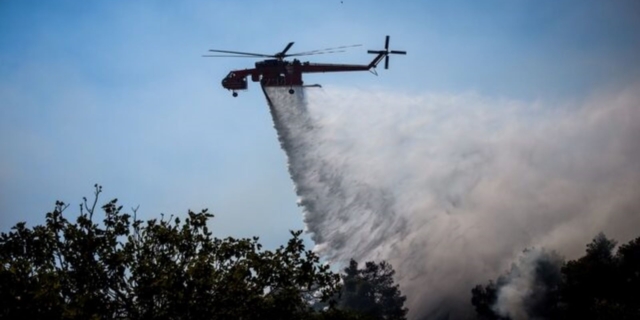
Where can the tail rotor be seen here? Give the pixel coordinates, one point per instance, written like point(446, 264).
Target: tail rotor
point(386, 52)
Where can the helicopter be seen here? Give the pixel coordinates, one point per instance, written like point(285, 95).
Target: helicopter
point(278, 72)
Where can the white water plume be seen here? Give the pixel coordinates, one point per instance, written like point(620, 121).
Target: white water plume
point(451, 188)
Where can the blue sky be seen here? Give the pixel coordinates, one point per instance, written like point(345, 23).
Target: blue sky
point(116, 93)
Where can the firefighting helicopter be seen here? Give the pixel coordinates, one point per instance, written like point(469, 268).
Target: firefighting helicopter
point(278, 72)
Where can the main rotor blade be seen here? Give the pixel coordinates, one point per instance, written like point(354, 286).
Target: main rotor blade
point(398, 52)
point(284, 52)
point(326, 49)
point(244, 53)
point(313, 53)
point(375, 51)
point(386, 62)
point(227, 56)
point(386, 43)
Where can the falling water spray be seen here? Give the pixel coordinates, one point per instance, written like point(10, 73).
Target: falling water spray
point(451, 188)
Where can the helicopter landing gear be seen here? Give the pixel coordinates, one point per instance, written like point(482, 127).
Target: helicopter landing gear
point(234, 94)
point(291, 91)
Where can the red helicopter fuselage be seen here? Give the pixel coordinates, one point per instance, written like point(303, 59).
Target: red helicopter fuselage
point(278, 72)
point(274, 72)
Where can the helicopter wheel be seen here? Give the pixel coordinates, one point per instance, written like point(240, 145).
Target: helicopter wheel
point(235, 94)
point(291, 91)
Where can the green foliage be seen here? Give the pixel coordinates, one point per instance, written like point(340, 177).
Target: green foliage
point(125, 268)
point(371, 292)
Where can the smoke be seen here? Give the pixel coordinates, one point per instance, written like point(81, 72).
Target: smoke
point(450, 188)
point(525, 292)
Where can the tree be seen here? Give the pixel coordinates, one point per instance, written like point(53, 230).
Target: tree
point(372, 292)
point(628, 257)
point(529, 288)
point(589, 279)
point(125, 268)
point(483, 298)
point(603, 284)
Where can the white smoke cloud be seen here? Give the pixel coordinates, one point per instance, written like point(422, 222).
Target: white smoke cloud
point(523, 292)
point(450, 188)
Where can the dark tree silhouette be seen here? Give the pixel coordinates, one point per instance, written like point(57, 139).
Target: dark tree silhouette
point(628, 257)
point(602, 284)
point(372, 292)
point(125, 268)
point(589, 280)
point(483, 298)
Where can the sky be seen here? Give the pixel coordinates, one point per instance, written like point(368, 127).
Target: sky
point(117, 93)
